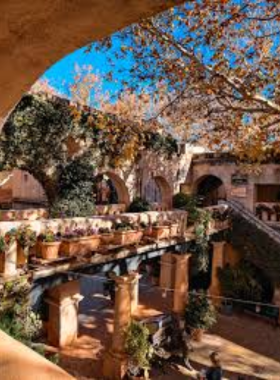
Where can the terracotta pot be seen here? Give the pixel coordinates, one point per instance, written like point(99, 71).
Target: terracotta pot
point(174, 228)
point(273, 217)
point(21, 257)
point(148, 231)
point(80, 246)
point(197, 334)
point(49, 251)
point(38, 248)
point(161, 232)
point(107, 239)
point(127, 237)
point(2, 262)
point(265, 216)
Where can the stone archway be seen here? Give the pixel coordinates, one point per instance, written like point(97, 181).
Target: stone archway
point(158, 190)
point(115, 190)
point(210, 189)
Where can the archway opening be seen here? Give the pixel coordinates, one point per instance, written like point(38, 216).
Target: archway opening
point(20, 190)
point(209, 190)
point(109, 188)
point(158, 191)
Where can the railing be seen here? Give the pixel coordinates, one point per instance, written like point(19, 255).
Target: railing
point(249, 216)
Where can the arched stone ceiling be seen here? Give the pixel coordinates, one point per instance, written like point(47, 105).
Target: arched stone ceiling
point(34, 34)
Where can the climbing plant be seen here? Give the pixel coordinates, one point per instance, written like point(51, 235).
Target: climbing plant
point(60, 145)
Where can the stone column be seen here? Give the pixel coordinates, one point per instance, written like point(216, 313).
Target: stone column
point(115, 363)
point(63, 303)
point(167, 265)
point(218, 260)
point(134, 291)
point(181, 282)
point(10, 261)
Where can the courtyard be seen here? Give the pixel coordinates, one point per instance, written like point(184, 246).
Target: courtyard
point(249, 347)
point(140, 190)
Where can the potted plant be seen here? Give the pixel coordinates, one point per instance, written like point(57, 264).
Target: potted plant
point(146, 228)
point(200, 314)
point(139, 205)
point(106, 235)
point(125, 234)
point(138, 350)
point(160, 230)
point(26, 239)
point(174, 229)
point(50, 243)
point(79, 241)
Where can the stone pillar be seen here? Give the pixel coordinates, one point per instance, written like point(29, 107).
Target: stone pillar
point(276, 301)
point(167, 265)
point(218, 260)
point(10, 261)
point(181, 282)
point(134, 291)
point(63, 303)
point(115, 364)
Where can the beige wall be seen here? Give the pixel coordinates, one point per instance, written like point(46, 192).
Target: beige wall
point(269, 174)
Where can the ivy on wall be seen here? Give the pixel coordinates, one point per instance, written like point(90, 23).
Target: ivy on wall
point(257, 247)
point(60, 145)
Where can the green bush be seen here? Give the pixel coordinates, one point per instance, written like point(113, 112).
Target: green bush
point(139, 205)
point(241, 282)
point(137, 345)
point(200, 312)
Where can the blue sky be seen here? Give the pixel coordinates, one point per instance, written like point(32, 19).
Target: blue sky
point(61, 75)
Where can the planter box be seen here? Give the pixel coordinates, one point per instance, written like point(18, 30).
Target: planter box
point(49, 251)
point(107, 239)
point(79, 246)
point(21, 258)
point(161, 232)
point(127, 237)
point(174, 229)
point(2, 262)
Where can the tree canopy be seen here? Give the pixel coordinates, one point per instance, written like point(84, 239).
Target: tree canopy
point(215, 65)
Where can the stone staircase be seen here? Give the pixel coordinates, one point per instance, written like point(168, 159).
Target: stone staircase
point(259, 241)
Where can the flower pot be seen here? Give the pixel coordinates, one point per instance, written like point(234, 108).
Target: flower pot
point(265, 216)
point(148, 231)
point(127, 237)
point(80, 246)
point(107, 239)
point(273, 217)
point(197, 334)
point(174, 228)
point(49, 251)
point(22, 255)
point(161, 232)
point(2, 262)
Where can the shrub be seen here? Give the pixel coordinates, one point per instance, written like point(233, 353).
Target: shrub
point(181, 200)
point(200, 312)
point(137, 345)
point(139, 205)
point(241, 281)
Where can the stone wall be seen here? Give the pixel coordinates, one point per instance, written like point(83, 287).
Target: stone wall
point(224, 169)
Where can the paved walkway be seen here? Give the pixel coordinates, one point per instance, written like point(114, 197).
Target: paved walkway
point(247, 346)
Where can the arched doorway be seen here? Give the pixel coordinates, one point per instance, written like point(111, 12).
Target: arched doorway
point(210, 189)
point(109, 188)
point(158, 191)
